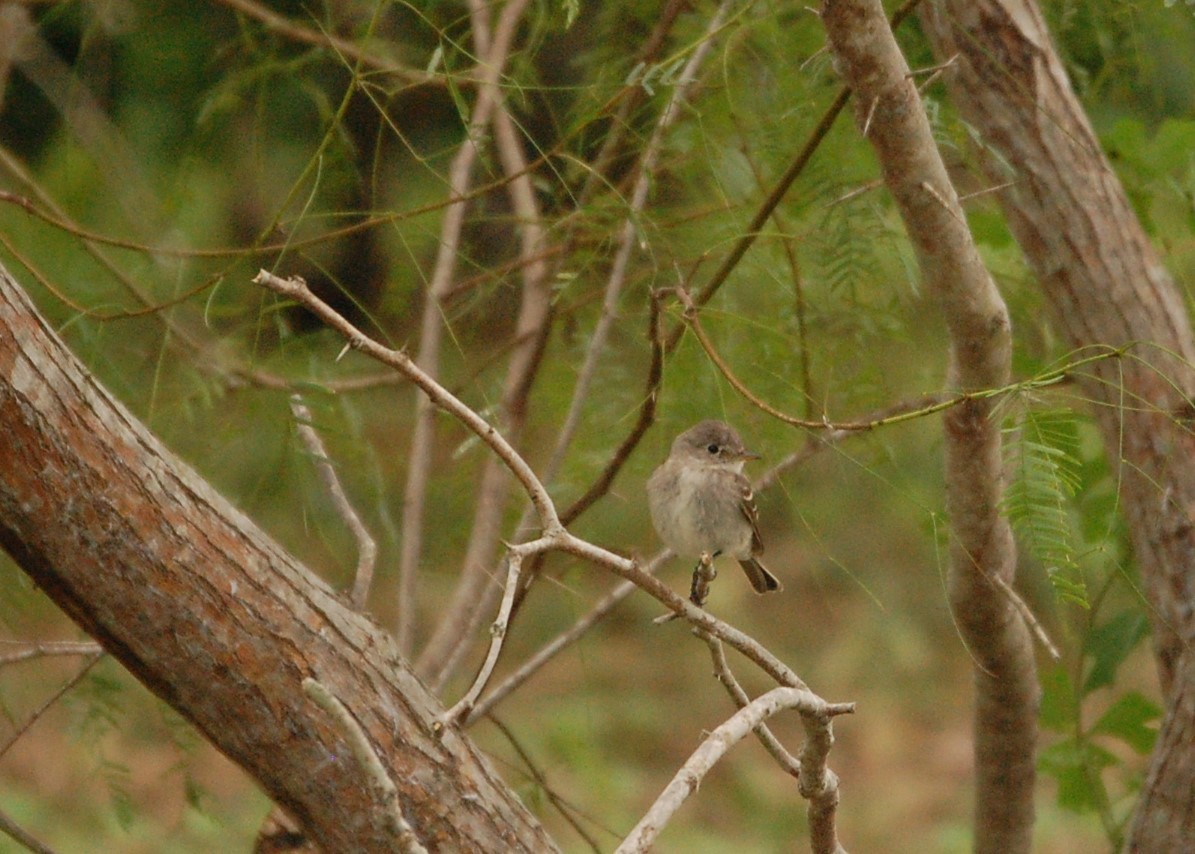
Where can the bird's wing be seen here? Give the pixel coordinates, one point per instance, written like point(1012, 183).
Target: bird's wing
point(747, 507)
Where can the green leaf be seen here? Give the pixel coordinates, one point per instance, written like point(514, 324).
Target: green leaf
point(1110, 644)
point(1076, 765)
point(1126, 719)
point(1042, 457)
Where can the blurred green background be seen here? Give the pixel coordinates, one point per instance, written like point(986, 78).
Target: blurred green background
point(193, 135)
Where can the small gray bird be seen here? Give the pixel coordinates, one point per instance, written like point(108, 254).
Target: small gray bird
point(701, 502)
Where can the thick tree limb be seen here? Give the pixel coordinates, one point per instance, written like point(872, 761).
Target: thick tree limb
point(218, 620)
point(1106, 286)
point(889, 111)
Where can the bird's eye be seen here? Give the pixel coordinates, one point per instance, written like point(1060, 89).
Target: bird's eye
point(712, 448)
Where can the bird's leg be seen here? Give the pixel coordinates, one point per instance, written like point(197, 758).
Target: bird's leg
point(703, 574)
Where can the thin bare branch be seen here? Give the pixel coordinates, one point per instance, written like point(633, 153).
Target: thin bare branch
point(561, 642)
point(1029, 617)
point(815, 712)
point(368, 759)
point(629, 238)
point(21, 836)
point(367, 548)
point(287, 28)
point(297, 290)
point(474, 593)
point(50, 701)
point(724, 675)
point(420, 456)
point(47, 648)
point(514, 562)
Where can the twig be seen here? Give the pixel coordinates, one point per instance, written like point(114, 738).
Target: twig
point(815, 782)
point(814, 711)
point(21, 836)
point(934, 72)
point(367, 548)
point(927, 405)
point(514, 562)
point(276, 23)
point(562, 641)
point(296, 289)
point(568, 811)
point(871, 111)
point(627, 240)
point(934, 403)
point(420, 456)
point(724, 675)
point(951, 206)
point(368, 759)
point(474, 596)
point(50, 701)
point(1028, 616)
point(45, 648)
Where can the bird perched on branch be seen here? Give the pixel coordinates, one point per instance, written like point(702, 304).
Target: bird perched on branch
point(702, 505)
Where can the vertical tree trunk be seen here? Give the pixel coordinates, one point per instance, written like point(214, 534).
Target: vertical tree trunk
point(1106, 286)
point(982, 552)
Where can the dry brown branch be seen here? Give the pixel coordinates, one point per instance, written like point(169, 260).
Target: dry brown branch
point(21, 836)
point(349, 50)
point(367, 548)
point(297, 290)
point(47, 648)
point(421, 456)
point(816, 714)
point(37, 714)
point(469, 602)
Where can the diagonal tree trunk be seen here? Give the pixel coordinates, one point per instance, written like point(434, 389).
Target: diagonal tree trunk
point(982, 553)
point(1106, 286)
point(218, 621)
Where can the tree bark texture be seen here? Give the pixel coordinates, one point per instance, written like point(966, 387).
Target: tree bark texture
point(1106, 287)
point(218, 621)
point(890, 113)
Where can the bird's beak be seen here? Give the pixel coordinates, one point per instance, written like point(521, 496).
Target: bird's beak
point(751, 455)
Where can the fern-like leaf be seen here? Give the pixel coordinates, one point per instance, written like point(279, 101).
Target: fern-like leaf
point(1041, 455)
